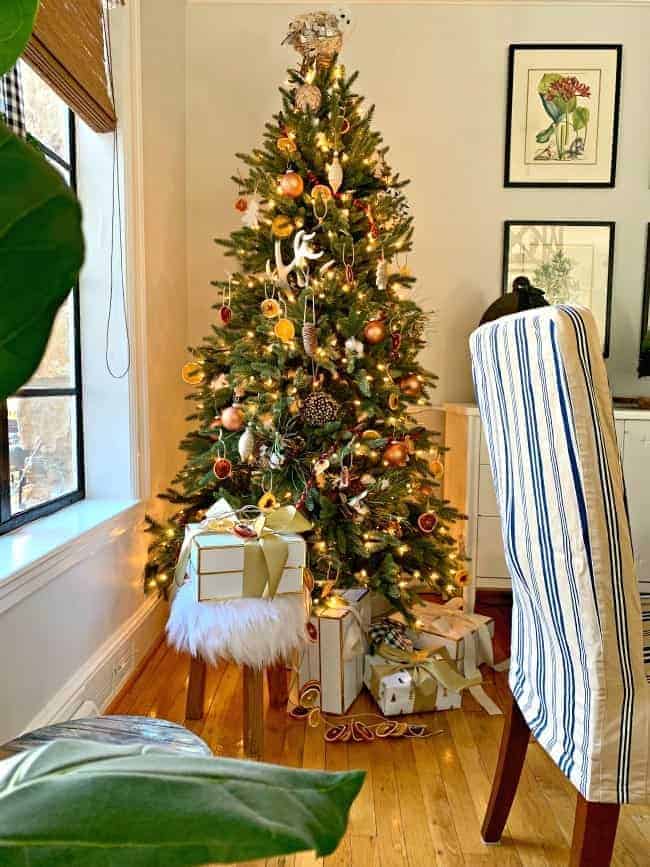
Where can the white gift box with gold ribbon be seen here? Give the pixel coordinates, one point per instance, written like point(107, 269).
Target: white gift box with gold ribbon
point(230, 556)
point(335, 649)
point(217, 567)
point(465, 637)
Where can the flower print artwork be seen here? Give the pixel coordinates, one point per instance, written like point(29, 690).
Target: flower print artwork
point(565, 100)
point(562, 123)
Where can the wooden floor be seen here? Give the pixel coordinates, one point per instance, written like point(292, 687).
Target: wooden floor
point(423, 801)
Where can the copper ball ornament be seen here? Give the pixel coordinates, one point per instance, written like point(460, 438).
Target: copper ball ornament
point(410, 385)
point(396, 454)
point(281, 226)
point(241, 204)
point(291, 185)
point(374, 332)
point(232, 418)
point(222, 468)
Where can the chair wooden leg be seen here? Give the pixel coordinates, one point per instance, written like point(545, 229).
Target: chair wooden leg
point(594, 832)
point(278, 682)
point(195, 689)
point(253, 712)
point(512, 753)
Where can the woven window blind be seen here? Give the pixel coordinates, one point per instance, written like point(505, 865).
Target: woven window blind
point(67, 50)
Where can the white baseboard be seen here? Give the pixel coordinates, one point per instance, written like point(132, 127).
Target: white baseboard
point(101, 677)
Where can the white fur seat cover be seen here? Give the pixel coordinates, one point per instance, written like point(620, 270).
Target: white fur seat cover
point(252, 632)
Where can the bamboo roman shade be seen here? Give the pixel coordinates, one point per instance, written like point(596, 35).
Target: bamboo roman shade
point(67, 50)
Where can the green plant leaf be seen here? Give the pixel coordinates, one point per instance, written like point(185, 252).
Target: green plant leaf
point(41, 251)
point(580, 117)
point(16, 23)
point(543, 136)
point(81, 804)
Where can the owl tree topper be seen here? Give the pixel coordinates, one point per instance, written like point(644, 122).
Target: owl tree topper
point(318, 36)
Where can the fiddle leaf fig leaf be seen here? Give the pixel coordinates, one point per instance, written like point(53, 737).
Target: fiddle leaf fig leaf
point(16, 23)
point(82, 804)
point(41, 252)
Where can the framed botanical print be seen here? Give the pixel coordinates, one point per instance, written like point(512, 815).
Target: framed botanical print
point(572, 262)
point(644, 353)
point(563, 108)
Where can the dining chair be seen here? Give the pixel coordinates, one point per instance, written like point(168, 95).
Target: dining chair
point(577, 672)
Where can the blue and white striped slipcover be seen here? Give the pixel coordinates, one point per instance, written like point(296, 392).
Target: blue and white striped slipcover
point(577, 635)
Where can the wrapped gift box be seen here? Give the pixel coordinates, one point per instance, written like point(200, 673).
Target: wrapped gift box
point(335, 650)
point(396, 692)
point(448, 627)
point(216, 565)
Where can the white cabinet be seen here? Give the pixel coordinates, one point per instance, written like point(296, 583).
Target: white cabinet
point(468, 485)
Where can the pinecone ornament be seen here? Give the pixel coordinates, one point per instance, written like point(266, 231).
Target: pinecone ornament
point(319, 408)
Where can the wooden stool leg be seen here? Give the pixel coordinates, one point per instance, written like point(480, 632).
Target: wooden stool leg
point(594, 832)
point(253, 712)
point(278, 682)
point(195, 689)
point(512, 753)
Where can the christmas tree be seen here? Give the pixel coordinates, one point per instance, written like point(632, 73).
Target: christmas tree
point(304, 386)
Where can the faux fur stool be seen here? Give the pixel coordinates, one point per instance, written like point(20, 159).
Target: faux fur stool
point(257, 634)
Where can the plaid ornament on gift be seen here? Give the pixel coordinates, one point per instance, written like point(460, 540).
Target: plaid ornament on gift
point(392, 633)
point(11, 101)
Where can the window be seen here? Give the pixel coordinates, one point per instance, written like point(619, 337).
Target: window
point(41, 448)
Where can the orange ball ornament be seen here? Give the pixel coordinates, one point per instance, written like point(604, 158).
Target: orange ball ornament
point(436, 468)
point(396, 454)
point(374, 332)
point(232, 418)
point(410, 385)
point(291, 184)
point(241, 204)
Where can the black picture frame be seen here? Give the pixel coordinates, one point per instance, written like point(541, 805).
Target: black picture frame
point(645, 306)
point(610, 225)
point(513, 49)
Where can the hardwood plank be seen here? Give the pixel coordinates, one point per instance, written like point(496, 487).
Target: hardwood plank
point(446, 848)
point(390, 837)
point(415, 832)
point(336, 759)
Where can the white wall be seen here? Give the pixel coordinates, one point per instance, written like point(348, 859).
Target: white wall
point(437, 74)
point(79, 613)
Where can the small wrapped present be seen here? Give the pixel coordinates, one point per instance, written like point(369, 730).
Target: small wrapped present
point(415, 682)
point(335, 649)
point(466, 638)
point(226, 557)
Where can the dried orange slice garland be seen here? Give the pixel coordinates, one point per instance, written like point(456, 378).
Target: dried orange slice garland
point(351, 728)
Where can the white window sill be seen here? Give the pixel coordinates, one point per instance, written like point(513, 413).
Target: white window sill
point(35, 554)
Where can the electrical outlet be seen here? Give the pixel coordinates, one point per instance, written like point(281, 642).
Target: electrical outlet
point(122, 665)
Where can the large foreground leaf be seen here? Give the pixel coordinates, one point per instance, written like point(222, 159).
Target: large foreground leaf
point(16, 22)
point(41, 252)
point(81, 804)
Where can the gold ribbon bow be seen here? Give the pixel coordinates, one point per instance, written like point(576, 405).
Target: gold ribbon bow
point(427, 668)
point(265, 556)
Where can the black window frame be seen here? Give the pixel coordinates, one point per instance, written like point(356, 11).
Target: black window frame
point(8, 521)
